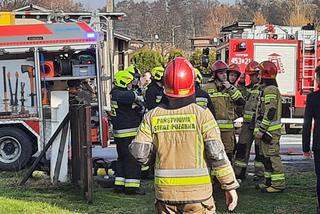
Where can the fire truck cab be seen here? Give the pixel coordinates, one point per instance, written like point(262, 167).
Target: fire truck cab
point(294, 50)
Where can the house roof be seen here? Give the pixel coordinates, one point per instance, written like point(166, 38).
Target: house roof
point(208, 37)
point(32, 7)
point(122, 37)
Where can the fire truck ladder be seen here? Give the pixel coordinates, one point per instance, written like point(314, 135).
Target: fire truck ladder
point(309, 60)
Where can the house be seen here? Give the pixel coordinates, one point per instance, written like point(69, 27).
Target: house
point(209, 41)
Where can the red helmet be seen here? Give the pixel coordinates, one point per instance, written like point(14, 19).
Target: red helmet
point(252, 68)
point(219, 66)
point(234, 68)
point(179, 78)
point(268, 70)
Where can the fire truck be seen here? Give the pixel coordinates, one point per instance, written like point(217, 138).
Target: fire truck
point(294, 50)
point(43, 67)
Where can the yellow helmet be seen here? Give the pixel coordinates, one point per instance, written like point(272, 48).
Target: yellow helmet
point(198, 75)
point(134, 71)
point(123, 78)
point(157, 73)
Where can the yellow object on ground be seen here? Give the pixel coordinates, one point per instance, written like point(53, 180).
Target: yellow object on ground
point(38, 174)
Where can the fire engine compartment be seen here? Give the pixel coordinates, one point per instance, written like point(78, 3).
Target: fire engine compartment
point(35, 67)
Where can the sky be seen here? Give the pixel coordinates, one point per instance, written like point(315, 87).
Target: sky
point(94, 4)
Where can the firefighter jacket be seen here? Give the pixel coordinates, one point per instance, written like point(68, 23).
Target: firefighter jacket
point(242, 88)
point(252, 97)
point(203, 99)
point(269, 110)
point(125, 112)
point(185, 142)
point(224, 101)
point(153, 95)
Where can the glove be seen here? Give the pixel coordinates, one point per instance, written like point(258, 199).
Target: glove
point(267, 137)
point(138, 97)
point(226, 84)
point(259, 135)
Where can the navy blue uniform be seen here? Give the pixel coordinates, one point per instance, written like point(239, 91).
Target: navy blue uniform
point(312, 113)
point(203, 99)
point(125, 118)
point(154, 95)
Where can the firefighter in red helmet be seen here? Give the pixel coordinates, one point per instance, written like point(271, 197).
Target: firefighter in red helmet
point(224, 97)
point(184, 139)
point(233, 73)
point(246, 136)
point(268, 129)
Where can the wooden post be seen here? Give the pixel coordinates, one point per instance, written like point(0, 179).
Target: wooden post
point(75, 144)
point(87, 158)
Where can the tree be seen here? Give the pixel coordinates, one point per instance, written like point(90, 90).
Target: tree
point(196, 58)
point(301, 13)
point(247, 9)
point(9, 5)
point(173, 53)
point(161, 17)
point(64, 5)
point(259, 19)
point(146, 59)
point(220, 16)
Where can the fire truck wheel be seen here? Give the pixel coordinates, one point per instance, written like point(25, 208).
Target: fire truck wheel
point(15, 149)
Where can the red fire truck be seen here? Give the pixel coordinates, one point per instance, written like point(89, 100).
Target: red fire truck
point(294, 50)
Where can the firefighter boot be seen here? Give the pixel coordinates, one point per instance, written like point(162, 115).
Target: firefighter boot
point(272, 189)
point(241, 175)
point(118, 189)
point(275, 187)
point(239, 168)
point(264, 185)
point(134, 191)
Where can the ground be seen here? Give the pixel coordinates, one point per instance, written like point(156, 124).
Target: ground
point(39, 196)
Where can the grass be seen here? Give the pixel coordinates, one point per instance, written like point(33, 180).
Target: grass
point(42, 197)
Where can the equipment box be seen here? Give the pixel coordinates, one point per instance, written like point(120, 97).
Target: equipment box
point(7, 18)
point(83, 70)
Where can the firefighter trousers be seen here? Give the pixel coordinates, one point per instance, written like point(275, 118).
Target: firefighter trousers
point(274, 170)
point(228, 140)
point(128, 171)
point(205, 207)
point(242, 156)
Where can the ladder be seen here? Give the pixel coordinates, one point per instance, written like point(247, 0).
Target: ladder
point(309, 60)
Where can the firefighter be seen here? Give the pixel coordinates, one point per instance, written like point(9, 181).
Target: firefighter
point(249, 119)
point(242, 84)
point(202, 97)
point(126, 117)
point(137, 75)
point(224, 96)
point(268, 129)
point(154, 92)
point(183, 139)
point(233, 73)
